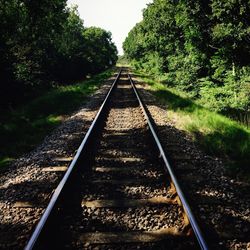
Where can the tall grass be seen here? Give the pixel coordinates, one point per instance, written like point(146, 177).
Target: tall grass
point(216, 133)
point(22, 129)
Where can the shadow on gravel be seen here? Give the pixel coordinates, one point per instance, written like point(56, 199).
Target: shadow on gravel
point(216, 198)
point(212, 194)
point(16, 241)
point(27, 184)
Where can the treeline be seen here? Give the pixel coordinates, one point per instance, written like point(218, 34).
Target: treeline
point(43, 43)
point(201, 47)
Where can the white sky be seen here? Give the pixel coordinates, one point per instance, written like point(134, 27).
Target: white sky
point(117, 16)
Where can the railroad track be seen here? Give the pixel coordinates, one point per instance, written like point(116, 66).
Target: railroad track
point(117, 192)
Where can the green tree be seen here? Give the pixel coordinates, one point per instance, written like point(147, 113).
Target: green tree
point(100, 50)
point(46, 42)
point(198, 46)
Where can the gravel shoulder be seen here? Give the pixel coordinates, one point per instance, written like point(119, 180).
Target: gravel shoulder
point(27, 184)
point(220, 202)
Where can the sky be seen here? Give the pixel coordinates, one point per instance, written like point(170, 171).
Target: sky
point(116, 16)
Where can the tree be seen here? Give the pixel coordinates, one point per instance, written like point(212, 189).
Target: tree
point(101, 51)
point(202, 47)
point(46, 42)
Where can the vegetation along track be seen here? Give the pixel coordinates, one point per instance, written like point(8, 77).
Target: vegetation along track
point(118, 193)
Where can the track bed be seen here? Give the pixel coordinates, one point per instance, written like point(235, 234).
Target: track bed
point(121, 196)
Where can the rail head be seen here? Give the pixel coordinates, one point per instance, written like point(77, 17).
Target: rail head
point(195, 226)
point(55, 197)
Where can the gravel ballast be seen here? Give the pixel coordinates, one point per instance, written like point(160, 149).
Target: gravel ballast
point(220, 202)
point(26, 182)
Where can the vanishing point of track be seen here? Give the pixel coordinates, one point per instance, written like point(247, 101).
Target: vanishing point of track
point(120, 191)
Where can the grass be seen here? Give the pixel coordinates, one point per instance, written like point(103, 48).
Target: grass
point(217, 134)
point(24, 128)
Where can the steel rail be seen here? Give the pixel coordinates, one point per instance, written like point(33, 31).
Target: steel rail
point(191, 217)
point(54, 199)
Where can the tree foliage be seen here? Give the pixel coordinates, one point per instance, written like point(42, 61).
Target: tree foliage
point(202, 47)
point(43, 42)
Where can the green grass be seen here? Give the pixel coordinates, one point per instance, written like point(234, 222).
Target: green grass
point(217, 134)
point(22, 129)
